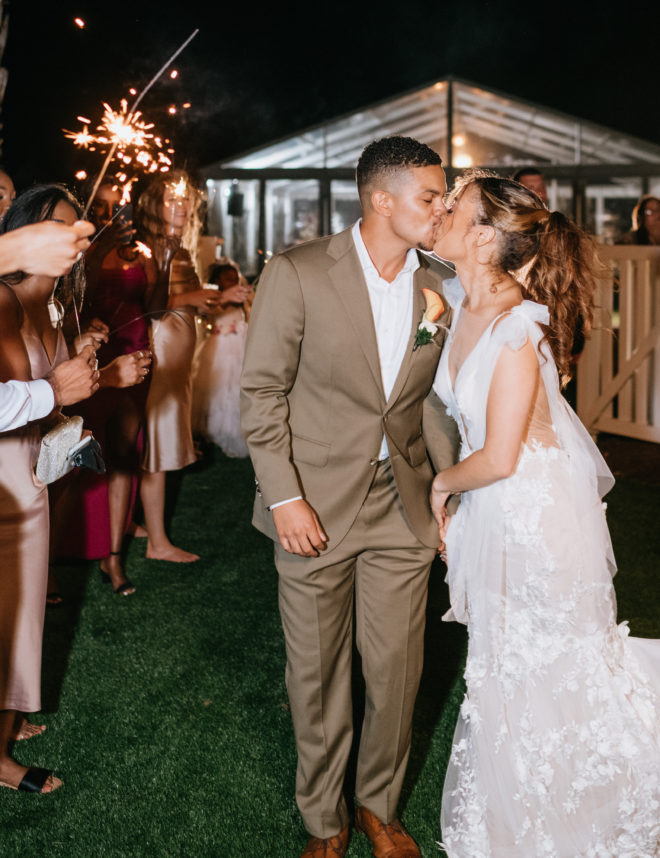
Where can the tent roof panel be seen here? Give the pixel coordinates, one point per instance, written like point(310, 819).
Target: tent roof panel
point(517, 130)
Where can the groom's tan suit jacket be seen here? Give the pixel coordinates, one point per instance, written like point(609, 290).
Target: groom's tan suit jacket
point(313, 407)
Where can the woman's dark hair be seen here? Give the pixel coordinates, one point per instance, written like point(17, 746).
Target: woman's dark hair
point(33, 206)
point(556, 262)
point(639, 231)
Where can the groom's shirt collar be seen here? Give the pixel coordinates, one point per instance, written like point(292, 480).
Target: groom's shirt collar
point(410, 266)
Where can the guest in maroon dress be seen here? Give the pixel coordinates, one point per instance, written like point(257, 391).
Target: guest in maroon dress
point(119, 276)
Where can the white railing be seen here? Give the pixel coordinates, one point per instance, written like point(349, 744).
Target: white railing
point(618, 377)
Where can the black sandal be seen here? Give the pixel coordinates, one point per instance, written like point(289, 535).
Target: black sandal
point(33, 780)
point(125, 589)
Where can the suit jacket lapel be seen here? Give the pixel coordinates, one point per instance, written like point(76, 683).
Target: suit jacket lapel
point(421, 280)
point(348, 279)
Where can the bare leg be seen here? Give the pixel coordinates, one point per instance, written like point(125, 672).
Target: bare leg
point(137, 531)
point(159, 547)
point(119, 495)
point(11, 772)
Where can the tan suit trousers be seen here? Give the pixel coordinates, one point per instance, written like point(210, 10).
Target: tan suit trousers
point(381, 565)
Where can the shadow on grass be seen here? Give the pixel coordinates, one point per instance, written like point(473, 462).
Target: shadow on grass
point(60, 629)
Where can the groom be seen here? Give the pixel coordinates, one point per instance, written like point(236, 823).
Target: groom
point(332, 395)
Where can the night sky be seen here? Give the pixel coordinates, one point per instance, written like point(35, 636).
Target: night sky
point(258, 72)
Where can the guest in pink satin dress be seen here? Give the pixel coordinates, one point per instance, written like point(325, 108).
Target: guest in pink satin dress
point(30, 347)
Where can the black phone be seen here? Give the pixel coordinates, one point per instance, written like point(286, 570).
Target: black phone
point(124, 215)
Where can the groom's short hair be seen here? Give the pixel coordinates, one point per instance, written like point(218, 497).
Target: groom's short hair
point(383, 159)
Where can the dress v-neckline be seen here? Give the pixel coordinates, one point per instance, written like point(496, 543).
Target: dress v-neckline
point(452, 384)
point(35, 334)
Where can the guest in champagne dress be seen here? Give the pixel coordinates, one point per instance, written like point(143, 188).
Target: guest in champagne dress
point(168, 222)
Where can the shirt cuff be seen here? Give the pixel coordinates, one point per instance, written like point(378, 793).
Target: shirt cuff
point(281, 503)
point(43, 398)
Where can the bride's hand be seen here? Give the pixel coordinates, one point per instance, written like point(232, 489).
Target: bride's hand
point(443, 527)
point(438, 502)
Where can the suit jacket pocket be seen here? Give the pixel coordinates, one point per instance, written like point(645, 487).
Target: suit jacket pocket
point(309, 451)
point(417, 452)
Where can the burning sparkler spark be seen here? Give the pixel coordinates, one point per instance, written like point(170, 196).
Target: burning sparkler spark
point(81, 175)
point(132, 112)
point(180, 188)
point(174, 74)
point(129, 137)
point(83, 139)
point(79, 23)
point(144, 249)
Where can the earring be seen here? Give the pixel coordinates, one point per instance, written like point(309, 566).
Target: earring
point(493, 289)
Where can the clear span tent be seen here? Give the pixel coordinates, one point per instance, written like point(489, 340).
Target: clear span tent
point(302, 186)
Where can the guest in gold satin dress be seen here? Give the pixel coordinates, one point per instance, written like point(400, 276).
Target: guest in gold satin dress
point(168, 222)
point(30, 347)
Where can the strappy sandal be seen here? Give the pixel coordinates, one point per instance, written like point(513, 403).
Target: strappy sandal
point(125, 589)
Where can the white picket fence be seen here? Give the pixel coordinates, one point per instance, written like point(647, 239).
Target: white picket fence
point(618, 377)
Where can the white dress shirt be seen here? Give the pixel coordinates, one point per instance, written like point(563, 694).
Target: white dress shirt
point(23, 401)
point(391, 307)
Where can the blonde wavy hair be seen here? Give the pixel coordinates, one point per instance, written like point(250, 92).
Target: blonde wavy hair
point(555, 261)
point(149, 215)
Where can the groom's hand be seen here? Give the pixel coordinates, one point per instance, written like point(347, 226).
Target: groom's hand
point(298, 529)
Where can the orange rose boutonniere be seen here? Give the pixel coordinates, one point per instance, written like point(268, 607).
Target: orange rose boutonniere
point(427, 327)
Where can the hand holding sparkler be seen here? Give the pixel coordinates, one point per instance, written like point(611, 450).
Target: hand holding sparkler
point(94, 335)
point(126, 370)
point(75, 379)
point(46, 248)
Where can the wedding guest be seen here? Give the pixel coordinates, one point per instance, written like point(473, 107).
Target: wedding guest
point(218, 362)
point(556, 749)
point(30, 347)
point(119, 276)
point(646, 222)
point(167, 218)
point(532, 178)
point(24, 401)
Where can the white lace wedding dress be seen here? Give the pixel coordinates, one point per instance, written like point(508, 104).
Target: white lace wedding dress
point(557, 748)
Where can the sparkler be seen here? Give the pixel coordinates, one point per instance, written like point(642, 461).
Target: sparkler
point(125, 127)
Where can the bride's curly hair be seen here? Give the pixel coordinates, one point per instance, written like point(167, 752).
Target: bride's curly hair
point(555, 261)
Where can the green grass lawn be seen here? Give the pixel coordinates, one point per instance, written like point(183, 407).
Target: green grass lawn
point(167, 713)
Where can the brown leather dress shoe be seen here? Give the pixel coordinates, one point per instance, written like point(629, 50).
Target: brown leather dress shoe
point(327, 847)
point(389, 840)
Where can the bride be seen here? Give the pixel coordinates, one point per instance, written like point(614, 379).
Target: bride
point(557, 748)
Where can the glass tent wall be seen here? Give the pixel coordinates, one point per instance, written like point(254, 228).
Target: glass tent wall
point(303, 186)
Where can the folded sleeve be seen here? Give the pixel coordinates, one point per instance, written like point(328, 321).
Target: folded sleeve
point(24, 401)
